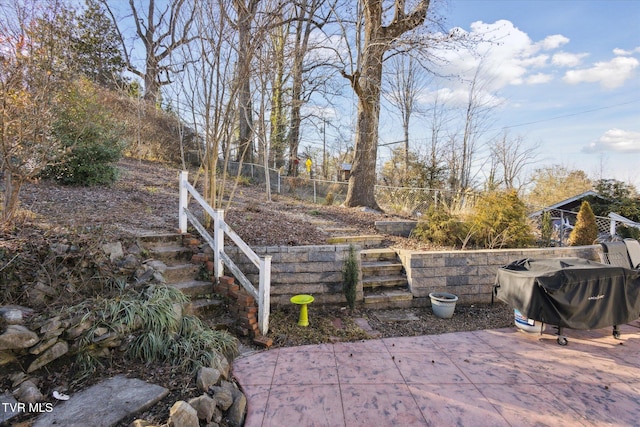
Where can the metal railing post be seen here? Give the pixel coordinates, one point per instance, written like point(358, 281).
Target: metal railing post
point(182, 215)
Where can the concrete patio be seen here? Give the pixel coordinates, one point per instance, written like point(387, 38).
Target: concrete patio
point(499, 377)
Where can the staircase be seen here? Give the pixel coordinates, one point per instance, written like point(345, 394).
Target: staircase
point(364, 241)
point(384, 281)
point(181, 273)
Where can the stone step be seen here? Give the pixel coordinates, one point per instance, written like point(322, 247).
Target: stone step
point(384, 281)
point(203, 306)
point(170, 254)
point(150, 241)
point(181, 272)
point(400, 298)
point(365, 241)
point(194, 288)
point(378, 254)
point(340, 230)
point(104, 404)
point(382, 268)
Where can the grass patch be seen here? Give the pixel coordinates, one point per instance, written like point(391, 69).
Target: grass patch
point(155, 330)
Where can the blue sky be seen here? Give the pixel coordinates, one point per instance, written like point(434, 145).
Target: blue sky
point(567, 74)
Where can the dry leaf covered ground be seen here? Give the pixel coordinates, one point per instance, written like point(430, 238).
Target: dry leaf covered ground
point(145, 200)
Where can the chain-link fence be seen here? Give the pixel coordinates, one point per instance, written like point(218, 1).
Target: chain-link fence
point(399, 200)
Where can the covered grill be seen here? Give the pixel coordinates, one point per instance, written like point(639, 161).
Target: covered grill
point(571, 292)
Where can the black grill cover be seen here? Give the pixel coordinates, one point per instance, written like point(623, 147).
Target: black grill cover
point(570, 292)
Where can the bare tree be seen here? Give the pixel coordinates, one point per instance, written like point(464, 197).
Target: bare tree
point(435, 158)
point(32, 79)
point(512, 156)
point(304, 19)
point(366, 81)
point(162, 28)
point(465, 142)
point(247, 43)
point(209, 92)
point(404, 86)
point(278, 114)
point(555, 183)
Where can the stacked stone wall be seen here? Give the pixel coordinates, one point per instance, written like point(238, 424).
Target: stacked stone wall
point(314, 270)
point(471, 274)
point(317, 270)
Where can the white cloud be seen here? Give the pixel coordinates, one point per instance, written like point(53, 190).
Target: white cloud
point(565, 59)
point(622, 52)
point(552, 42)
point(616, 140)
point(539, 78)
point(610, 74)
point(508, 56)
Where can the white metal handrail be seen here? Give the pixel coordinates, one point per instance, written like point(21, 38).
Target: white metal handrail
point(220, 228)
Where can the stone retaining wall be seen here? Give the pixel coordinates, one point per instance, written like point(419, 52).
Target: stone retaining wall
point(314, 270)
point(471, 274)
point(317, 270)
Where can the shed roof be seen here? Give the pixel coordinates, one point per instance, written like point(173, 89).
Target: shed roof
point(568, 204)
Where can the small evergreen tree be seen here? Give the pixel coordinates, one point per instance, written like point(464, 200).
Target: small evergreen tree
point(350, 277)
point(500, 220)
point(441, 228)
point(585, 231)
point(546, 229)
point(91, 138)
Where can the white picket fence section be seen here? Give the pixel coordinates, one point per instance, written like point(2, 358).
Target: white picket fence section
point(220, 229)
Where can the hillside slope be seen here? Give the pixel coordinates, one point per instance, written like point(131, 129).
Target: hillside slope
point(145, 200)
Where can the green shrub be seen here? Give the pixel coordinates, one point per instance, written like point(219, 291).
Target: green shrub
point(585, 232)
point(628, 232)
point(350, 277)
point(155, 330)
point(500, 220)
point(90, 137)
point(441, 228)
point(328, 201)
point(546, 229)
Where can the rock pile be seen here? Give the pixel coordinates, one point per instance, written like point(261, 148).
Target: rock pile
point(220, 400)
point(31, 340)
point(47, 340)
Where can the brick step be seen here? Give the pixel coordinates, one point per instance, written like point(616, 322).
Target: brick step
point(181, 272)
point(384, 281)
point(194, 288)
point(382, 268)
point(378, 254)
point(398, 298)
point(202, 307)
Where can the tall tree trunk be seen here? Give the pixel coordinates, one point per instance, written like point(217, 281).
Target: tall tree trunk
point(362, 181)
point(11, 195)
point(294, 127)
point(303, 31)
point(366, 84)
point(246, 13)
